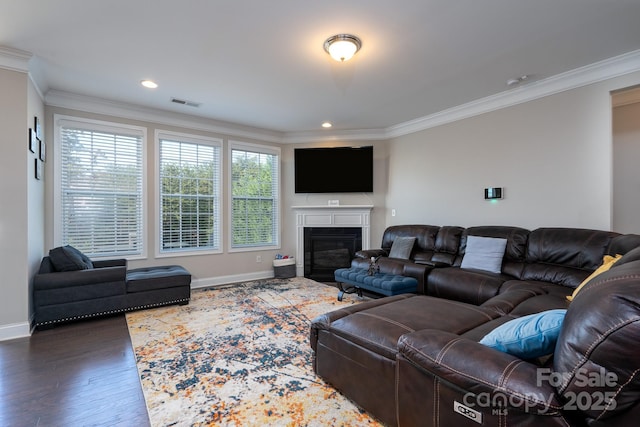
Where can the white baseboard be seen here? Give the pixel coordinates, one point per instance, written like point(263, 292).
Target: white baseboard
point(235, 278)
point(14, 330)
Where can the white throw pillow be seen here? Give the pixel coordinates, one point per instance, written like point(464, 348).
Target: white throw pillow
point(484, 253)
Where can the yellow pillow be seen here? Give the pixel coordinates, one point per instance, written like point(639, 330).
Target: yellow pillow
point(607, 262)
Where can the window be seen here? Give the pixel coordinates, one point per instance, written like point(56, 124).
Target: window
point(255, 200)
point(189, 193)
point(99, 187)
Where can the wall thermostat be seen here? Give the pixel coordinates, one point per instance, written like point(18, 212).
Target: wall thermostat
point(493, 193)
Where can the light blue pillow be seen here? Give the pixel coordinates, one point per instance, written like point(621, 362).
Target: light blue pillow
point(527, 337)
point(484, 253)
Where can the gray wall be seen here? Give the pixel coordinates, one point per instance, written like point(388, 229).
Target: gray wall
point(36, 211)
point(22, 218)
point(552, 155)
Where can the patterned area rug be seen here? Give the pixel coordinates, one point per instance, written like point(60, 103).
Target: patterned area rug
point(239, 356)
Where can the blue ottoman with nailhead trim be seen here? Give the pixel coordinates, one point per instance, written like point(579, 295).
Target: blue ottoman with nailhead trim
point(379, 283)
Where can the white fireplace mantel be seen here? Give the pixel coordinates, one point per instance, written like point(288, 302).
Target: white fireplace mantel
point(330, 216)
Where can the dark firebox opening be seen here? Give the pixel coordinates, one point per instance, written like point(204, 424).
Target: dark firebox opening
point(329, 248)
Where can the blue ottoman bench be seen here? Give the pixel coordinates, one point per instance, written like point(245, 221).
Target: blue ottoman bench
point(379, 283)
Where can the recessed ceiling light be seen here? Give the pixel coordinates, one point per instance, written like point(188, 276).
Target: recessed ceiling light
point(149, 84)
point(326, 125)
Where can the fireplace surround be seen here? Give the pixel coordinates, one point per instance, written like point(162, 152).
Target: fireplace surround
point(340, 220)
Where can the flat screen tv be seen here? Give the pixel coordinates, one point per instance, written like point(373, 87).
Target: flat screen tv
point(334, 170)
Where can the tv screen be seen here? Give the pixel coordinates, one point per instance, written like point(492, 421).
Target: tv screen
point(334, 170)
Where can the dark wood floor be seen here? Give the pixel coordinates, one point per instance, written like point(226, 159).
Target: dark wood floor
point(79, 374)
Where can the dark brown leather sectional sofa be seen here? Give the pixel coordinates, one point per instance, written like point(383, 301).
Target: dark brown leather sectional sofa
point(415, 360)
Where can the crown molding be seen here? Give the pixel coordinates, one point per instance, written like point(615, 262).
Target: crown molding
point(107, 107)
point(95, 105)
point(20, 61)
point(14, 59)
point(338, 135)
point(593, 73)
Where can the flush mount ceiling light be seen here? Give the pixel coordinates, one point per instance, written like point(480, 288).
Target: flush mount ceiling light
point(342, 47)
point(149, 84)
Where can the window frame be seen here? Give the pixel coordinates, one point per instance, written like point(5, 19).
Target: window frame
point(192, 139)
point(262, 149)
point(61, 121)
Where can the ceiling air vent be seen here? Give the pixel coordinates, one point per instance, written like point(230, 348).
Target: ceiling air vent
point(184, 102)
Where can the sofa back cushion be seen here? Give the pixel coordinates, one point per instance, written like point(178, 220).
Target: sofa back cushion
point(565, 256)
point(515, 252)
point(425, 237)
point(623, 243)
point(441, 247)
point(632, 255)
point(447, 245)
point(596, 356)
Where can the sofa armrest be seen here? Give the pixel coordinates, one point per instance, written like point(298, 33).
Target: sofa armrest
point(419, 272)
point(480, 370)
point(368, 253)
point(65, 279)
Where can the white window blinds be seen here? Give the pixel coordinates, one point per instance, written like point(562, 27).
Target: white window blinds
point(101, 188)
point(189, 194)
point(255, 184)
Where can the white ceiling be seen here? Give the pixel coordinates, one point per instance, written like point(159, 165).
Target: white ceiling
point(261, 63)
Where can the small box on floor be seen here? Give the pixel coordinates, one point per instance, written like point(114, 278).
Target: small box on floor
point(284, 268)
